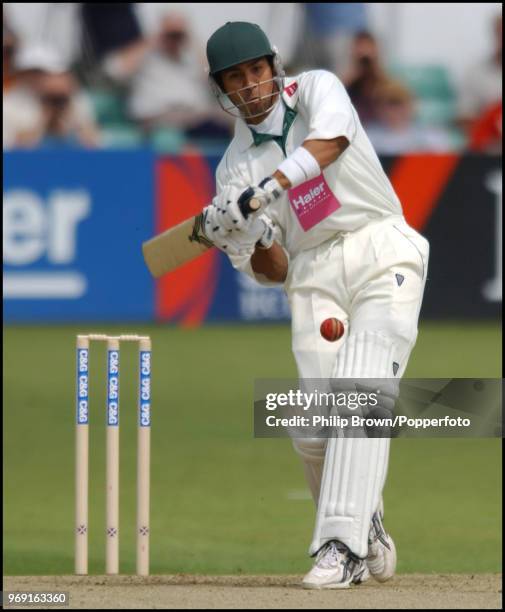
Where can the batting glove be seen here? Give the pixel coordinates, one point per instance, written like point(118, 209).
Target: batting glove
point(266, 192)
point(260, 232)
point(232, 210)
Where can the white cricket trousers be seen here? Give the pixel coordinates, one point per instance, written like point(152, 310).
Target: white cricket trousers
point(373, 280)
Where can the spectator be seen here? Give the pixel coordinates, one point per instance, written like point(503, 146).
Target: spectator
point(9, 48)
point(53, 24)
point(486, 132)
point(112, 37)
point(364, 75)
point(170, 88)
point(45, 107)
point(395, 130)
point(482, 87)
point(329, 32)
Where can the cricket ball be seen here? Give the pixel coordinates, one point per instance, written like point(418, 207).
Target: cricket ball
point(332, 329)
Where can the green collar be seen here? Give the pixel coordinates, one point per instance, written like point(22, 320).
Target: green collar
point(289, 117)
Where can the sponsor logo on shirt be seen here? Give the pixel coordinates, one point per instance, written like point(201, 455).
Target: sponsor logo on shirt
point(312, 202)
point(290, 89)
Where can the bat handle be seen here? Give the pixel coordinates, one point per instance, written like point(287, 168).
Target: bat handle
point(247, 203)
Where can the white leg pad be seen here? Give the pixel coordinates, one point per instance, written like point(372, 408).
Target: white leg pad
point(355, 469)
point(353, 477)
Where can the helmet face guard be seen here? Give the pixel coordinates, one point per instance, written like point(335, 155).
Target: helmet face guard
point(239, 109)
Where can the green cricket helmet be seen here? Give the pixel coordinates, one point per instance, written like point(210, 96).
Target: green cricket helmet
point(232, 44)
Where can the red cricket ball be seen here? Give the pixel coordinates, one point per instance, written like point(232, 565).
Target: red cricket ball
point(332, 329)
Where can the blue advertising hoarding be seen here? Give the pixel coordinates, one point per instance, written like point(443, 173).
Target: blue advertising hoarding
point(243, 299)
point(74, 222)
point(73, 225)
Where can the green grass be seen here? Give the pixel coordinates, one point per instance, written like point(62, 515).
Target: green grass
point(220, 499)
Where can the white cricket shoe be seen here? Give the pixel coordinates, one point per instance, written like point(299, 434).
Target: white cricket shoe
point(381, 559)
point(335, 568)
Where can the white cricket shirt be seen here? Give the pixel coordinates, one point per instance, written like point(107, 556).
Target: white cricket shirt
point(357, 185)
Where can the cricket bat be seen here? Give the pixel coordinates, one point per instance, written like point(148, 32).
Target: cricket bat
point(184, 242)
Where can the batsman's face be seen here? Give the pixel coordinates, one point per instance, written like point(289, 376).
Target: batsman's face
point(251, 88)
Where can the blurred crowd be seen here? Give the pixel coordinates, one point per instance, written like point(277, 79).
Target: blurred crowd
point(89, 75)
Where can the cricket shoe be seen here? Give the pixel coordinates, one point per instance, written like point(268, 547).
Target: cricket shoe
point(335, 568)
point(381, 558)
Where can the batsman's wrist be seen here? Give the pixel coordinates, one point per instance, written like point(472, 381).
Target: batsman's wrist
point(299, 167)
point(282, 179)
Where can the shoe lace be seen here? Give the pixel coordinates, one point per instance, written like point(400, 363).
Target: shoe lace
point(330, 555)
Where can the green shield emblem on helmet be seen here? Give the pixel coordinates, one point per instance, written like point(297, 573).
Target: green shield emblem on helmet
point(234, 43)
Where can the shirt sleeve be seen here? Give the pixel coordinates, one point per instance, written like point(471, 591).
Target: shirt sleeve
point(327, 105)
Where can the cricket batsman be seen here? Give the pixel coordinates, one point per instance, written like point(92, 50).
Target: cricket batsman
point(330, 230)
